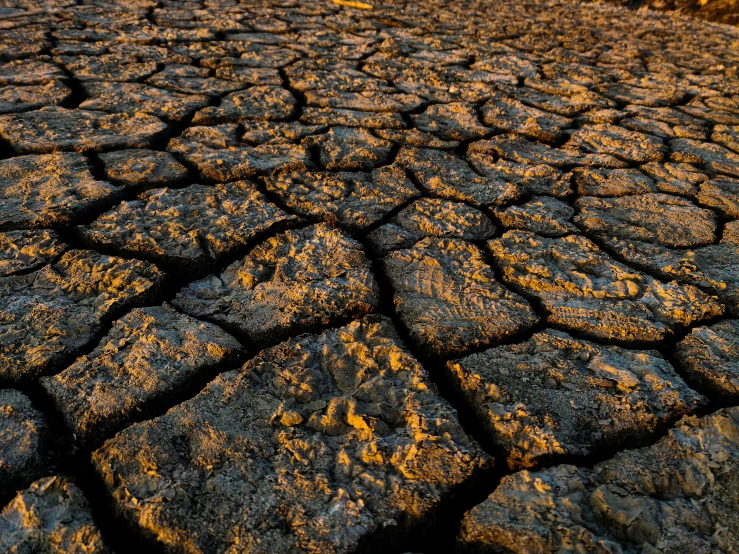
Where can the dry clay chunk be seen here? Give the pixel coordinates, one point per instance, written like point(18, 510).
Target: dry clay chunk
point(351, 118)
point(16, 98)
point(612, 182)
point(541, 214)
point(348, 149)
point(675, 178)
point(291, 283)
point(139, 168)
point(659, 218)
point(50, 517)
point(536, 178)
point(722, 195)
point(262, 102)
point(430, 217)
point(508, 114)
point(134, 97)
point(584, 290)
point(714, 268)
point(555, 395)
point(278, 132)
point(24, 454)
point(369, 101)
point(709, 356)
point(191, 228)
point(710, 156)
point(219, 155)
point(22, 251)
point(52, 313)
point(49, 190)
point(679, 495)
point(447, 176)
point(59, 129)
point(631, 146)
point(352, 200)
point(149, 357)
point(314, 445)
point(452, 121)
point(448, 299)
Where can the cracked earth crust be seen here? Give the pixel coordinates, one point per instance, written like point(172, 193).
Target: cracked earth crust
point(311, 277)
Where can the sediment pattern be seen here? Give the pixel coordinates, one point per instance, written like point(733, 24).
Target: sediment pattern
point(333, 277)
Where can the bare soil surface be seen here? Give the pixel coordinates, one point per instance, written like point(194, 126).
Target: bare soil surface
point(348, 277)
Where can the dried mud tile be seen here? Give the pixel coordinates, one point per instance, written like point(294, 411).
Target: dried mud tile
point(518, 149)
point(276, 132)
point(642, 96)
point(244, 75)
point(50, 190)
point(416, 138)
point(555, 396)
point(447, 297)
point(255, 103)
point(19, 98)
point(364, 101)
point(710, 156)
point(51, 314)
point(138, 169)
point(450, 177)
point(294, 282)
point(678, 495)
point(351, 118)
point(567, 105)
point(709, 357)
point(315, 445)
point(353, 201)
point(612, 182)
point(349, 149)
point(536, 179)
point(187, 229)
point(25, 453)
point(116, 97)
point(727, 136)
point(339, 79)
point(430, 217)
point(624, 144)
point(148, 359)
point(507, 68)
point(51, 516)
point(653, 217)
point(29, 72)
point(59, 129)
point(541, 214)
point(218, 154)
point(722, 195)
point(675, 178)
point(504, 113)
point(585, 291)
point(27, 250)
point(452, 121)
point(713, 268)
point(187, 79)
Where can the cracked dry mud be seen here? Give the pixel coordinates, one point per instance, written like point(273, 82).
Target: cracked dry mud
point(311, 278)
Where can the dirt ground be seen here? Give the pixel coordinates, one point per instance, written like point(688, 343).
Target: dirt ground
point(338, 277)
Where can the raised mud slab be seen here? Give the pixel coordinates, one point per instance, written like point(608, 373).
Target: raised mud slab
point(323, 276)
point(680, 493)
point(313, 445)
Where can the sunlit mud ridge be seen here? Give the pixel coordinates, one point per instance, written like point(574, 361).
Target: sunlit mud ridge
point(357, 277)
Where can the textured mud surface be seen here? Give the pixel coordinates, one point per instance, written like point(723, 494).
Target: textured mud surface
point(423, 277)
